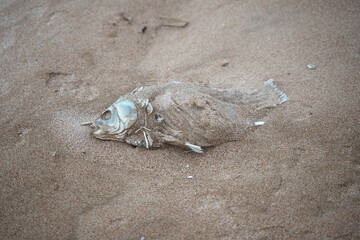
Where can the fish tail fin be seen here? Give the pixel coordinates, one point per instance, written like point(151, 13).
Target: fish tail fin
point(282, 97)
point(268, 96)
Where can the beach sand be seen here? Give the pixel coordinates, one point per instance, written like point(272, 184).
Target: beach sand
point(64, 62)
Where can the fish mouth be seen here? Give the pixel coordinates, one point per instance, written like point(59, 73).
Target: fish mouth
point(99, 133)
point(103, 134)
point(96, 132)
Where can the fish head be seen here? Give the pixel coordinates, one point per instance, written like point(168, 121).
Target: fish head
point(115, 121)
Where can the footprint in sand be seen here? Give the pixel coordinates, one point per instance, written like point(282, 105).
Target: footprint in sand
point(66, 83)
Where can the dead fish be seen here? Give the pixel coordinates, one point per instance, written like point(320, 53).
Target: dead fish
point(184, 115)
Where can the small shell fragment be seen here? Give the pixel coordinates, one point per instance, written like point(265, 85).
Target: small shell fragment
point(190, 177)
point(225, 63)
point(311, 66)
point(259, 123)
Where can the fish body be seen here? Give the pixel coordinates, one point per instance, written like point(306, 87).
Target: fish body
point(184, 115)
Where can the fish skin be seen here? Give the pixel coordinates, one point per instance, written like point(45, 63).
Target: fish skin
point(192, 116)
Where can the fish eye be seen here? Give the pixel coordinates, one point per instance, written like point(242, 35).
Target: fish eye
point(106, 115)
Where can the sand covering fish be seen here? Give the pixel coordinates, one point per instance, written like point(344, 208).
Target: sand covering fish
point(184, 115)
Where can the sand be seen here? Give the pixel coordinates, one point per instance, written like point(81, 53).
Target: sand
point(64, 62)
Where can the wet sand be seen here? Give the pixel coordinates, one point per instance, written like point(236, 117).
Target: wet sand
point(64, 62)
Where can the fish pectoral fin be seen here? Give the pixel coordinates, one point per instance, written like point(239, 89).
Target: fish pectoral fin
point(194, 148)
